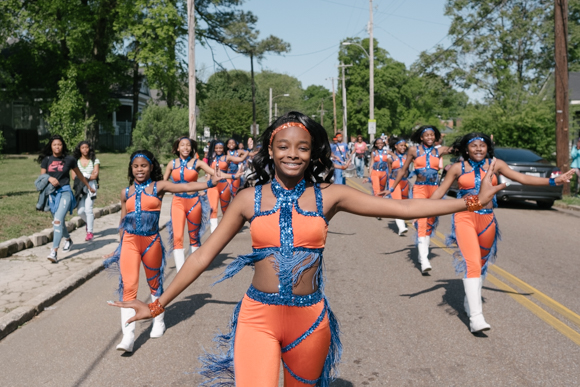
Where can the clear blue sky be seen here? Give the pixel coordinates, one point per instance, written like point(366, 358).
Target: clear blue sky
point(314, 28)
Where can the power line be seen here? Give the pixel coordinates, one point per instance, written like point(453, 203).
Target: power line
point(319, 63)
point(406, 44)
point(498, 5)
point(385, 13)
point(314, 52)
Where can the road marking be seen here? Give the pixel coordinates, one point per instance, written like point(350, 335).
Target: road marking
point(520, 298)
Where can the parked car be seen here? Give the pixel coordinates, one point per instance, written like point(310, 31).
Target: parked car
point(524, 161)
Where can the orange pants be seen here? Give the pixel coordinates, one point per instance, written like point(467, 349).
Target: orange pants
point(183, 209)
point(221, 194)
point(425, 226)
point(379, 181)
point(264, 330)
point(235, 186)
point(401, 191)
point(475, 236)
point(134, 250)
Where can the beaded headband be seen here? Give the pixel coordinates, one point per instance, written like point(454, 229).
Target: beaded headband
point(426, 129)
point(142, 155)
point(286, 126)
point(474, 139)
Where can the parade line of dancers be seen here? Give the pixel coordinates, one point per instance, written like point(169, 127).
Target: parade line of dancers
point(285, 314)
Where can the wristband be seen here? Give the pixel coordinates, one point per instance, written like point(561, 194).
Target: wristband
point(210, 184)
point(156, 308)
point(552, 182)
point(472, 202)
point(233, 177)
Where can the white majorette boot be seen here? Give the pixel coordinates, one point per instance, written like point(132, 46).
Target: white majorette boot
point(128, 331)
point(158, 323)
point(179, 258)
point(473, 293)
point(213, 223)
point(424, 254)
point(402, 226)
point(192, 249)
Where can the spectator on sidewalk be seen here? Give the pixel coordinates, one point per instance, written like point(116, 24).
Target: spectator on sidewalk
point(339, 158)
point(57, 163)
point(360, 148)
point(88, 164)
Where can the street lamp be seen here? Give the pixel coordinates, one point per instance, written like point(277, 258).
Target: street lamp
point(271, 98)
point(372, 122)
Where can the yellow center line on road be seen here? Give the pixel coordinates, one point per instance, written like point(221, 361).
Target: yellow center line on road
point(520, 298)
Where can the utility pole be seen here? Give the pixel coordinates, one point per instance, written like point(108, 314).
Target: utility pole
point(191, 67)
point(270, 114)
point(561, 82)
point(322, 111)
point(372, 122)
point(344, 128)
point(333, 101)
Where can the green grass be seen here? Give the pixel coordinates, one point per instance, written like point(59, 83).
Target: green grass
point(569, 200)
point(18, 195)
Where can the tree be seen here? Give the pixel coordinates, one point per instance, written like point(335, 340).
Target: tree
point(314, 95)
point(242, 37)
point(158, 128)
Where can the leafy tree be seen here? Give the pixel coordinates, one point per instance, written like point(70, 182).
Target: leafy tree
point(313, 97)
point(158, 128)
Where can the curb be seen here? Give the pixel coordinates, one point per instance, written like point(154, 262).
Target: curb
point(43, 237)
point(567, 206)
point(22, 314)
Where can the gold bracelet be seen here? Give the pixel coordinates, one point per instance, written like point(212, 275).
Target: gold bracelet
point(156, 308)
point(472, 203)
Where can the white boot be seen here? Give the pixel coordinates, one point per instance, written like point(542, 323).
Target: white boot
point(158, 323)
point(213, 223)
point(424, 254)
point(473, 293)
point(179, 258)
point(466, 305)
point(192, 249)
point(128, 331)
point(402, 226)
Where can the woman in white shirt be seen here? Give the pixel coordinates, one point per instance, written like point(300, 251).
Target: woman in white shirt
point(88, 164)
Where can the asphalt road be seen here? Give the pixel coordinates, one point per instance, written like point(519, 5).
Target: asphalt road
point(399, 328)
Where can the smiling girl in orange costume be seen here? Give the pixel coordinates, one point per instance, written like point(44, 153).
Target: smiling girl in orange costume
point(235, 153)
point(140, 238)
point(285, 315)
point(397, 159)
point(476, 233)
point(379, 166)
point(220, 195)
point(426, 159)
point(187, 207)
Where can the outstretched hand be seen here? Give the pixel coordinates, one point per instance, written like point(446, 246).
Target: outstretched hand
point(217, 176)
point(488, 190)
point(240, 172)
point(142, 311)
point(565, 177)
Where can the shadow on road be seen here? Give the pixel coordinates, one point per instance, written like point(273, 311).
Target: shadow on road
point(341, 383)
point(413, 256)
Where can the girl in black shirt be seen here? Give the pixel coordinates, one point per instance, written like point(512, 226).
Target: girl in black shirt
point(57, 163)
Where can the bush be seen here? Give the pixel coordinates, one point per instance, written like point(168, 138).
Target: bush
point(158, 128)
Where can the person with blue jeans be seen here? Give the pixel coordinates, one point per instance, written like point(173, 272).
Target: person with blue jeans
point(57, 164)
point(340, 158)
point(359, 149)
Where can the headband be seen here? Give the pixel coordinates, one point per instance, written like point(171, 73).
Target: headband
point(142, 155)
point(218, 143)
point(475, 138)
point(400, 141)
point(426, 129)
point(285, 126)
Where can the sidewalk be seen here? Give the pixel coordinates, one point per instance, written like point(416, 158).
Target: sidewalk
point(29, 282)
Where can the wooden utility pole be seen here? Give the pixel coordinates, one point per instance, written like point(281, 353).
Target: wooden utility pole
point(322, 111)
point(333, 102)
point(372, 123)
point(191, 67)
point(561, 83)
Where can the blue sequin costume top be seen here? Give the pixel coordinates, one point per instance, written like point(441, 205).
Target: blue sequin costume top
point(291, 262)
point(381, 165)
point(430, 174)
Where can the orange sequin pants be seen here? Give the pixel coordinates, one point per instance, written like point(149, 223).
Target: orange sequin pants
point(220, 195)
point(401, 191)
point(182, 210)
point(379, 181)
point(475, 234)
point(261, 333)
point(134, 250)
point(425, 226)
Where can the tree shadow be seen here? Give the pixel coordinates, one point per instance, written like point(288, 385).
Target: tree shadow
point(17, 193)
point(341, 383)
point(179, 312)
